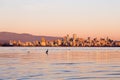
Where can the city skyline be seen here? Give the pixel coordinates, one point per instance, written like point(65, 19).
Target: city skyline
point(86, 18)
point(65, 41)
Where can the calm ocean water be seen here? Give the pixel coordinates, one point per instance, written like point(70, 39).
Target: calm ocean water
point(61, 63)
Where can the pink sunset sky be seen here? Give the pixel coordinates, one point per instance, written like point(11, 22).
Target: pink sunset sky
point(86, 18)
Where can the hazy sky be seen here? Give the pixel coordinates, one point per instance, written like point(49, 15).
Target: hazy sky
point(95, 18)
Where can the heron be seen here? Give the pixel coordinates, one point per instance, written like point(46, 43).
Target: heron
point(47, 52)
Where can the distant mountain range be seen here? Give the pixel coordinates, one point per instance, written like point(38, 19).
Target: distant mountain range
point(6, 36)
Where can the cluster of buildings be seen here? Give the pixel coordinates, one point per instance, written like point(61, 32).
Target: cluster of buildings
point(70, 42)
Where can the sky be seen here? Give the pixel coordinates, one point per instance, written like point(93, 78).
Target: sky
point(86, 18)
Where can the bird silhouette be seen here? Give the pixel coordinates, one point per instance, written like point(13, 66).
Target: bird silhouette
point(47, 52)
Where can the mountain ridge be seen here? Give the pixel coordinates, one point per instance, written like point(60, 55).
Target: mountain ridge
point(7, 36)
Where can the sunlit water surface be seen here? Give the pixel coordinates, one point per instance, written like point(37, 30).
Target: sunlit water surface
point(61, 63)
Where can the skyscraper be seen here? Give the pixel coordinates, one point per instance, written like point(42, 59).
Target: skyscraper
point(43, 42)
point(74, 36)
point(68, 38)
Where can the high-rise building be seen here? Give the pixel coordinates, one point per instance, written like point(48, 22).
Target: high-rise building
point(74, 36)
point(68, 38)
point(43, 42)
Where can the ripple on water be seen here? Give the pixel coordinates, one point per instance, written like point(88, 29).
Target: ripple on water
point(24, 79)
point(66, 71)
point(91, 78)
point(35, 75)
point(65, 63)
point(115, 66)
point(114, 74)
point(30, 77)
point(99, 71)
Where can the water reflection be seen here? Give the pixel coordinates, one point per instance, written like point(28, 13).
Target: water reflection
point(62, 65)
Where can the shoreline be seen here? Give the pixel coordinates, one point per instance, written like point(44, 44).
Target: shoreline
point(64, 46)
